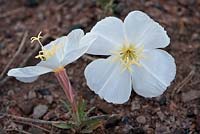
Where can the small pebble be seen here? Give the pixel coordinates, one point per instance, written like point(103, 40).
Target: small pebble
point(25, 96)
point(55, 95)
point(49, 99)
point(39, 111)
point(141, 119)
point(11, 93)
point(32, 95)
point(92, 101)
point(150, 131)
point(161, 115)
point(135, 105)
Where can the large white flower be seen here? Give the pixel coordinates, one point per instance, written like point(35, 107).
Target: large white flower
point(135, 60)
point(55, 55)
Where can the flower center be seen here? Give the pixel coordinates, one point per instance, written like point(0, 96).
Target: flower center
point(129, 55)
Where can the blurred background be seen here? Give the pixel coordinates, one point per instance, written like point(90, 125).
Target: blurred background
point(176, 111)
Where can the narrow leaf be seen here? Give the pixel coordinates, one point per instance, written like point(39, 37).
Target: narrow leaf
point(90, 125)
point(90, 110)
point(81, 110)
point(66, 105)
point(64, 125)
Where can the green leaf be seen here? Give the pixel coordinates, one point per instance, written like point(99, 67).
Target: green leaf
point(90, 110)
point(106, 5)
point(64, 125)
point(81, 110)
point(90, 125)
point(66, 105)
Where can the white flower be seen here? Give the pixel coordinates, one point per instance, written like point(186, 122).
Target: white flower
point(55, 55)
point(134, 58)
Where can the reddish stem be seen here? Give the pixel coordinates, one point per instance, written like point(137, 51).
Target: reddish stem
point(65, 83)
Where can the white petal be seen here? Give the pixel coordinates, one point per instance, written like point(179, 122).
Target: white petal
point(142, 30)
point(27, 72)
point(27, 79)
point(60, 43)
point(53, 63)
point(110, 33)
point(106, 79)
point(73, 39)
point(155, 75)
point(55, 60)
point(76, 52)
point(110, 28)
point(74, 55)
point(101, 46)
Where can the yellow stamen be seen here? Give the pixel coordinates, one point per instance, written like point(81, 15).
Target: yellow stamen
point(37, 39)
point(44, 54)
point(129, 55)
point(47, 53)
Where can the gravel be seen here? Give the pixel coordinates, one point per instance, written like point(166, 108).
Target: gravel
point(39, 111)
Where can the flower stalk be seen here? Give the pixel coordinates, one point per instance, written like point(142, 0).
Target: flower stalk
point(68, 90)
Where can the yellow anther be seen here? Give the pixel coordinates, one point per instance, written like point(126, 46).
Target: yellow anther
point(129, 55)
point(34, 38)
point(47, 53)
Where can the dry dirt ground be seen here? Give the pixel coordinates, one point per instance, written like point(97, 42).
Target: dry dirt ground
point(176, 111)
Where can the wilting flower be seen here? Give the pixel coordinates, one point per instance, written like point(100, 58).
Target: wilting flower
point(54, 56)
point(134, 58)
